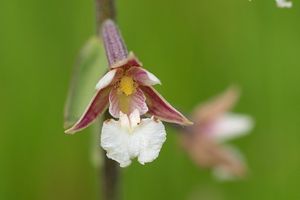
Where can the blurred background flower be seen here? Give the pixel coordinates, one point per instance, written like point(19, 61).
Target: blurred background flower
point(284, 4)
point(213, 125)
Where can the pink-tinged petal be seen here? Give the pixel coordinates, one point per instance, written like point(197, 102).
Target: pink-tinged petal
point(143, 77)
point(207, 112)
point(161, 109)
point(118, 101)
point(138, 101)
point(129, 61)
point(114, 108)
point(93, 110)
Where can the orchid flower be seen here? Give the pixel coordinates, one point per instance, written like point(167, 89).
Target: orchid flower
point(214, 124)
point(284, 4)
point(127, 90)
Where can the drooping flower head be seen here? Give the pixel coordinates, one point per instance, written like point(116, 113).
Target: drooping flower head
point(126, 89)
point(214, 124)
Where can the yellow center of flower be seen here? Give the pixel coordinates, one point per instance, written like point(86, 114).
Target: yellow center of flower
point(127, 85)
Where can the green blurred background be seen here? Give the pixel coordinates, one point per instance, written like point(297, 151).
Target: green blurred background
point(197, 48)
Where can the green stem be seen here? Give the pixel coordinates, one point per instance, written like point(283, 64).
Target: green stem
point(110, 175)
point(109, 172)
point(110, 179)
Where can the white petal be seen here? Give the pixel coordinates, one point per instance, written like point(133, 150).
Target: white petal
point(113, 140)
point(152, 79)
point(124, 121)
point(130, 122)
point(230, 126)
point(151, 136)
point(284, 4)
point(106, 79)
point(144, 141)
point(134, 118)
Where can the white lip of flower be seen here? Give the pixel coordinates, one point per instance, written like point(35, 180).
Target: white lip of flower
point(132, 137)
point(284, 4)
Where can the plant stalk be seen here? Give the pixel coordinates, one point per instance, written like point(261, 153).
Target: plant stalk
point(109, 171)
point(105, 9)
point(110, 179)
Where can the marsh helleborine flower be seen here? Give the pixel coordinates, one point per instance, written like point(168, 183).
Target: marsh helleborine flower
point(127, 89)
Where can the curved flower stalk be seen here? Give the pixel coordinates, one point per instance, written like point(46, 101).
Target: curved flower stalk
point(214, 125)
point(284, 4)
point(127, 90)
